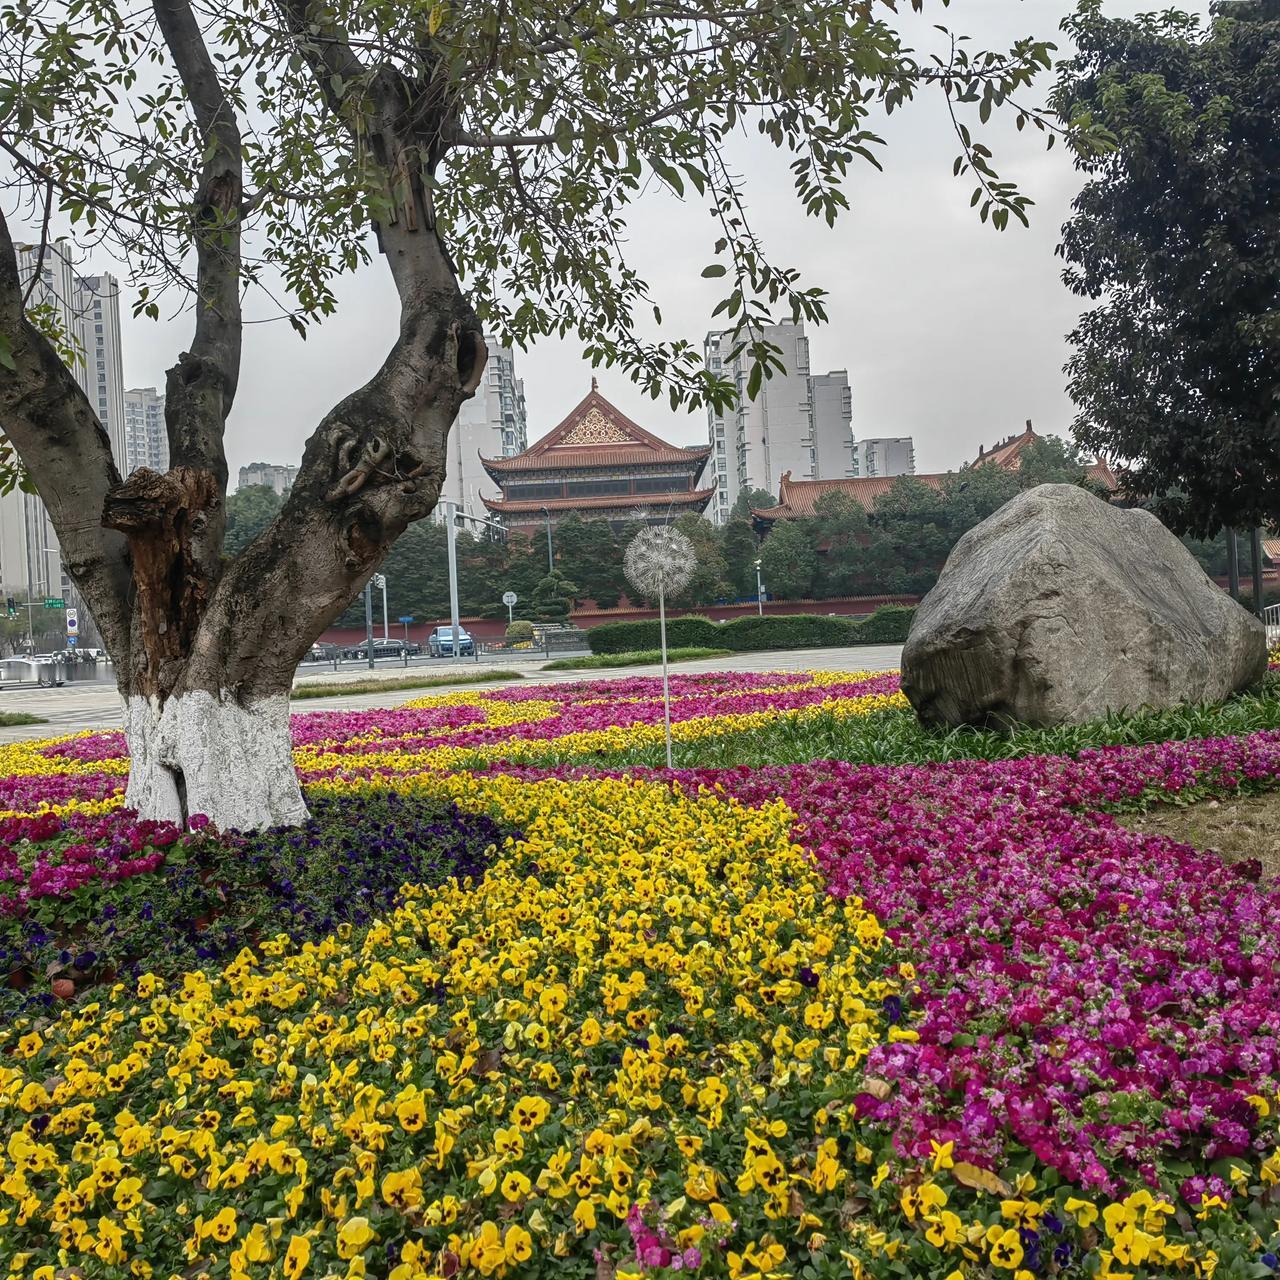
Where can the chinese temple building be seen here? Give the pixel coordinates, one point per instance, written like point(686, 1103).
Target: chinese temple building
point(601, 465)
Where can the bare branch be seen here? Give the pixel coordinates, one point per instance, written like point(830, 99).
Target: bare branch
point(44, 242)
point(202, 385)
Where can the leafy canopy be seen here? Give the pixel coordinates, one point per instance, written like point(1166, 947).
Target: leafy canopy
point(1177, 236)
point(550, 119)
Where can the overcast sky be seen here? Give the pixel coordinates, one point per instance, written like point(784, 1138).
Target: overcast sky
point(951, 332)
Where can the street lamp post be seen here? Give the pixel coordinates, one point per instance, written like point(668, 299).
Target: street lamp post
point(759, 591)
point(551, 559)
point(451, 516)
point(368, 622)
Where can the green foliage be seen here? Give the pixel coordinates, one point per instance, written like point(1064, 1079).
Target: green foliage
point(342, 688)
point(689, 632)
point(1176, 238)
point(249, 511)
point(553, 598)
point(547, 123)
point(588, 553)
point(888, 625)
point(520, 629)
point(897, 737)
point(788, 561)
point(643, 657)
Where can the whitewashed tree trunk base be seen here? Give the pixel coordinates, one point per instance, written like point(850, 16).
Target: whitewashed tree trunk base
point(211, 755)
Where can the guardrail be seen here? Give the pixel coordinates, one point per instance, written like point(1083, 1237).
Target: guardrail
point(1271, 616)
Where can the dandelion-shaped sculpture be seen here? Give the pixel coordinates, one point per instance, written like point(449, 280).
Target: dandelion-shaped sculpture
point(659, 562)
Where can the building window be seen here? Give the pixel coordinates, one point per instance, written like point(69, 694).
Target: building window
point(526, 491)
point(595, 488)
point(663, 484)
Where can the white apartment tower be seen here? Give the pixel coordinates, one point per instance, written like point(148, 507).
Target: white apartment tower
point(885, 456)
point(798, 423)
point(97, 304)
point(146, 437)
point(85, 310)
point(277, 476)
point(492, 424)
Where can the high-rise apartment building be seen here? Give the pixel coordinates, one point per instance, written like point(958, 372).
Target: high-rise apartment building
point(798, 423)
point(85, 312)
point(885, 456)
point(146, 437)
point(97, 305)
point(831, 399)
point(279, 477)
point(492, 424)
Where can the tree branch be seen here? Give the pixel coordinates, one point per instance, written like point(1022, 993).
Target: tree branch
point(68, 454)
point(202, 385)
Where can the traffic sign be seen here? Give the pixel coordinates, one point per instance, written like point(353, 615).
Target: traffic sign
point(71, 641)
point(54, 602)
point(73, 622)
point(409, 619)
point(509, 598)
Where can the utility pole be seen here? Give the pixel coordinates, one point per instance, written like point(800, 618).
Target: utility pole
point(759, 591)
point(451, 540)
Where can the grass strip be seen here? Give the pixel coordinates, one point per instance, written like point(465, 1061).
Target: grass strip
point(640, 657)
point(333, 689)
point(20, 717)
point(896, 737)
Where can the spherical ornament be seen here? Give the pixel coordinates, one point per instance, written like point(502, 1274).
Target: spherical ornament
point(659, 559)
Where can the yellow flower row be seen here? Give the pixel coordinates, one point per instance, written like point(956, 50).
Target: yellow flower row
point(650, 996)
point(588, 742)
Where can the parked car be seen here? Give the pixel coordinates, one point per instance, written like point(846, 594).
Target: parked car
point(384, 649)
point(440, 642)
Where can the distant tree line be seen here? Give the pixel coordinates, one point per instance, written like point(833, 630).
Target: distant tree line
point(843, 550)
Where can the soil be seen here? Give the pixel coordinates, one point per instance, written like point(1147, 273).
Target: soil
point(1239, 829)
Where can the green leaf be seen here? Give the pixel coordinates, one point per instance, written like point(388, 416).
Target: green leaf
point(715, 269)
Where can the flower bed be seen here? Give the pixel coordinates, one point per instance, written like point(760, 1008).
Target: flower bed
point(82, 898)
point(786, 1023)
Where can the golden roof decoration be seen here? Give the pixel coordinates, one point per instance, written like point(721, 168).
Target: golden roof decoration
point(594, 428)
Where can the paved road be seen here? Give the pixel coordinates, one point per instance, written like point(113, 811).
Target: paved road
point(95, 706)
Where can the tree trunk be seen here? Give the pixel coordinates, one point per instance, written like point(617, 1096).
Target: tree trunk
point(211, 754)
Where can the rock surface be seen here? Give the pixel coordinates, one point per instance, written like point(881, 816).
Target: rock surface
point(1060, 608)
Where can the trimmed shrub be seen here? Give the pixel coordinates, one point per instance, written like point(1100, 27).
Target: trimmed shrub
point(693, 632)
point(888, 625)
point(520, 629)
point(788, 631)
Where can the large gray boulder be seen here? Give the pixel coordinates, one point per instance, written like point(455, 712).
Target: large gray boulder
point(1060, 608)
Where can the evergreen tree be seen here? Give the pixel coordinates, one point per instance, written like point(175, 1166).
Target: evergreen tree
point(788, 561)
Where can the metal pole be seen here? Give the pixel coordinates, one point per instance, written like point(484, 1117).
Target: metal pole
point(1259, 601)
point(666, 692)
point(368, 621)
point(759, 591)
point(451, 539)
point(386, 630)
point(510, 613)
point(551, 559)
point(1233, 565)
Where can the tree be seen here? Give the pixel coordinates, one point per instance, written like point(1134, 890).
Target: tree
point(553, 598)
point(1177, 237)
point(490, 152)
point(1051, 460)
point(588, 553)
point(708, 583)
point(788, 561)
point(851, 553)
point(249, 511)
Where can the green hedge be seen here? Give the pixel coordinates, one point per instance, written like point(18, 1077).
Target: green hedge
point(888, 625)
